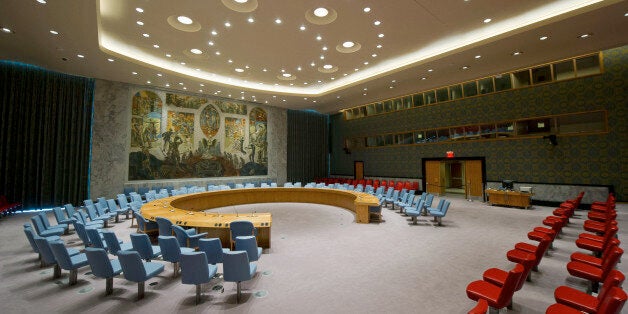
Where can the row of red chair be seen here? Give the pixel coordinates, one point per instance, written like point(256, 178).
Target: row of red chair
point(596, 268)
point(7, 207)
point(398, 185)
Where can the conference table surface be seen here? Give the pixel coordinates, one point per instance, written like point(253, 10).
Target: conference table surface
point(194, 210)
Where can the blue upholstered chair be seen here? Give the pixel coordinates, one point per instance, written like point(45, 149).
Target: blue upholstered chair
point(94, 216)
point(187, 237)
point(171, 251)
point(103, 267)
point(415, 204)
point(103, 210)
point(41, 229)
point(47, 257)
point(113, 208)
point(237, 268)
point(165, 226)
point(69, 210)
point(438, 214)
point(60, 218)
point(437, 208)
point(196, 271)
point(79, 215)
point(30, 235)
point(144, 225)
point(124, 205)
point(241, 228)
point(248, 244)
point(415, 212)
point(95, 238)
point(401, 202)
point(81, 231)
point(141, 244)
point(213, 249)
point(135, 270)
point(67, 262)
point(88, 202)
point(114, 245)
point(428, 203)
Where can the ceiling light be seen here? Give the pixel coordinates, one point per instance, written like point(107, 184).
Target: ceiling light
point(180, 83)
point(217, 53)
point(393, 81)
point(6, 30)
point(374, 55)
point(167, 84)
point(378, 46)
point(312, 64)
point(324, 48)
point(184, 20)
point(583, 36)
point(250, 20)
point(328, 66)
point(227, 24)
point(200, 90)
point(211, 43)
point(304, 83)
point(286, 75)
point(197, 69)
point(134, 73)
point(185, 88)
point(156, 45)
point(366, 63)
point(423, 78)
point(202, 85)
point(543, 38)
point(466, 67)
point(239, 70)
point(182, 63)
point(356, 69)
point(52, 31)
point(214, 33)
point(390, 87)
point(321, 12)
point(380, 35)
point(230, 61)
point(430, 70)
point(367, 10)
point(247, 67)
point(80, 56)
point(348, 44)
point(478, 57)
point(42, 1)
point(146, 35)
point(168, 55)
point(333, 78)
point(160, 75)
point(366, 88)
point(487, 20)
point(516, 53)
point(241, 1)
point(319, 37)
point(376, 23)
point(278, 21)
point(626, 14)
point(110, 60)
point(302, 27)
point(139, 10)
point(140, 23)
point(322, 57)
point(264, 70)
point(196, 51)
point(364, 94)
point(147, 82)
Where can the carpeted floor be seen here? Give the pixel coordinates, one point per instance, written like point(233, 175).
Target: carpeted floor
point(321, 261)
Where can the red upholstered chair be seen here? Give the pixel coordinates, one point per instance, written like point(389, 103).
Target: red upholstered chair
point(612, 303)
point(517, 255)
point(609, 204)
point(498, 277)
point(415, 185)
point(565, 209)
point(480, 308)
point(598, 227)
point(594, 274)
point(399, 185)
point(407, 185)
point(551, 220)
point(391, 184)
point(497, 297)
point(584, 302)
point(596, 243)
point(550, 232)
point(592, 260)
point(602, 216)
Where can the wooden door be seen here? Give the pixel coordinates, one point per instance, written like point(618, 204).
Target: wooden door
point(473, 177)
point(358, 168)
point(433, 178)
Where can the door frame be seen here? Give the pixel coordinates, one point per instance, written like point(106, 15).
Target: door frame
point(355, 169)
point(443, 159)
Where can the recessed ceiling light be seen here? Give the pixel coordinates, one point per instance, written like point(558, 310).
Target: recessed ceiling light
point(200, 90)
point(328, 66)
point(182, 63)
point(378, 46)
point(286, 75)
point(241, 1)
point(356, 69)
point(390, 86)
point(291, 84)
point(516, 53)
point(184, 20)
point(348, 44)
point(264, 70)
point(146, 35)
point(312, 64)
point(239, 70)
point(543, 38)
point(230, 61)
point(302, 27)
point(374, 55)
point(366, 88)
point(211, 43)
point(147, 82)
point(377, 23)
point(304, 83)
point(337, 96)
point(140, 23)
point(250, 20)
point(6, 30)
point(214, 33)
point(393, 81)
point(180, 83)
point(140, 10)
point(319, 37)
point(278, 21)
point(247, 67)
point(478, 56)
point(380, 35)
point(424, 78)
point(217, 53)
point(324, 48)
point(168, 55)
point(332, 78)
point(42, 1)
point(583, 36)
point(322, 57)
point(487, 20)
point(626, 14)
point(227, 24)
point(167, 84)
point(367, 10)
point(366, 63)
point(197, 69)
point(52, 31)
point(134, 73)
point(156, 45)
point(80, 56)
point(110, 60)
point(298, 68)
point(430, 70)
point(321, 12)
point(201, 85)
point(364, 94)
point(465, 67)
point(196, 51)
point(185, 88)
point(160, 75)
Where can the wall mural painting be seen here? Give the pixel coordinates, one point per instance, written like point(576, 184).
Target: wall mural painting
point(193, 137)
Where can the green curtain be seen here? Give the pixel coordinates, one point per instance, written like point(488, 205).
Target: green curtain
point(45, 135)
point(308, 133)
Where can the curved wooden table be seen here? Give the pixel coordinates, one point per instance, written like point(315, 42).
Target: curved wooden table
point(187, 210)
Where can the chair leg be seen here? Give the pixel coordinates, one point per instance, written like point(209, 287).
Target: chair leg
point(239, 292)
point(109, 286)
point(198, 293)
point(140, 290)
point(56, 272)
point(176, 269)
point(73, 276)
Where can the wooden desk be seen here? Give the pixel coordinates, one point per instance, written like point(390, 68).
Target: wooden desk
point(187, 210)
point(508, 198)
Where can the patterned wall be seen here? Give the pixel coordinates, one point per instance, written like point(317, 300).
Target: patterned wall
point(591, 159)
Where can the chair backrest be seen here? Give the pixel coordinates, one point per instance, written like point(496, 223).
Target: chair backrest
point(241, 228)
point(236, 266)
point(111, 203)
point(61, 254)
point(165, 226)
point(194, 268)
point(39, 226)
point(81, 231)
point(102, 200)
point(170, 249)
point(445, 207)
point(136, 198)
point(99, 262)
point(94, 238)
point(181, 235)
point(88, 202)
point(141, 222)
point(615, 278)
point(44, 249)
point(212, 248)
point(508, 289)
point(44, 220)
point(112, 242)
point(248, 244)
point(132, 267)
point(395, 195)
point(58, 213)
point(91, 211)
point(613, 302)
point(31, 238)
point(101, 208)
point(141, 244)
point(69, 209)
point(122, 201)
point(429, 199)
point(609, 263)
point(441, 202)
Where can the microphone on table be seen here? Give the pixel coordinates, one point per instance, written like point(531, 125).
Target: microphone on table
point(236, 211)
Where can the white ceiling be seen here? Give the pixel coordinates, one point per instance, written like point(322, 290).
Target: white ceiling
point(418, 35)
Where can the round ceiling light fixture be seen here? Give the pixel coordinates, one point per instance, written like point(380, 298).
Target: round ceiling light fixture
point(242, 6)
point(321, 15)
point(348, 47)
point(328, 68)
point(183, 23)
point(287, 77)
point(196, 51)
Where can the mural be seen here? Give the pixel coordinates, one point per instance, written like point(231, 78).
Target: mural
point(193, 137)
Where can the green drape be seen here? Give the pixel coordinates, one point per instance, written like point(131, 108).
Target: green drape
point(308, 134)
point(44, 135)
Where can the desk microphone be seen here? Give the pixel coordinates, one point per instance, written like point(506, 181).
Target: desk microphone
point(236, 211)
point(254, 212)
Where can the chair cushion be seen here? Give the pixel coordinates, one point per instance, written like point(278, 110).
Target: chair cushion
point(495, 276)
point(153, 268)
point(576, 299)
point(585, 271)
point(481, 289)
point(561, 309)
point(526, 247)
point(590, 245)
point(586, 258)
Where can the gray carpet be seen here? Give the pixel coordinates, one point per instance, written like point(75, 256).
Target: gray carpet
point(320, 262)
